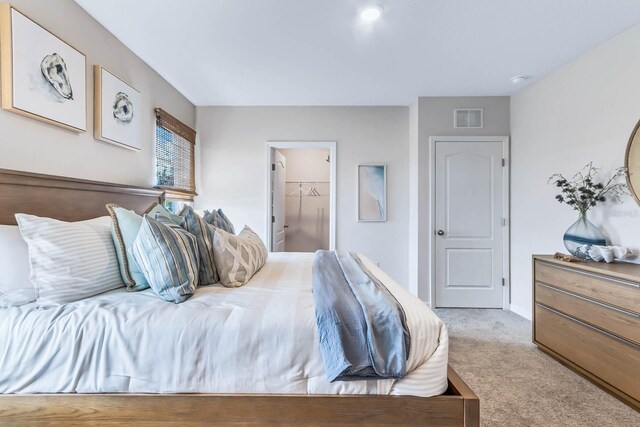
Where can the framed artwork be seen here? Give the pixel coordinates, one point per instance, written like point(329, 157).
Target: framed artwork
point(372, 192)
point(42, 76)
point(116, 110)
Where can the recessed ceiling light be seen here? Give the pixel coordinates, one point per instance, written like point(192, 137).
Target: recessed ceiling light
point(516, 80)
point(371, 13)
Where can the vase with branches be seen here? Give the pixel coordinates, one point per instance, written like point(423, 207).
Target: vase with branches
point(582, 192)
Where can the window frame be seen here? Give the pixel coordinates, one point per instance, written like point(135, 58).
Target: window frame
point(175, 127)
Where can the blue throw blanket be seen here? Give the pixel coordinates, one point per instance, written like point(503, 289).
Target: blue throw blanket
point(362, 327)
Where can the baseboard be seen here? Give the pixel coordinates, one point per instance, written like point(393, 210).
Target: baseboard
point(520, 312)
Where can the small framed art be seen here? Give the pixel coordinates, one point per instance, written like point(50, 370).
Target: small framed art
point(372, 192)
point(116, 110)
point(43, 77)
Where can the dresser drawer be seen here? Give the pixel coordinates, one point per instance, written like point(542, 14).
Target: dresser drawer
point(611, 359)
point(616, 321)
point(610, 291)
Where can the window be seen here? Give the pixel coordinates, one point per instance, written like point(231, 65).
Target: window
point(175, 157)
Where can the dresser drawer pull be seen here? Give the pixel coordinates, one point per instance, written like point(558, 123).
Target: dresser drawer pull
point(588, 273)
point(588, 325)
point(607, 306)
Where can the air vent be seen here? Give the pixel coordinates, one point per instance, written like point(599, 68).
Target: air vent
point(468, 118)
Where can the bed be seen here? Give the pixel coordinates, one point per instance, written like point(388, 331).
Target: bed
point(240, 396)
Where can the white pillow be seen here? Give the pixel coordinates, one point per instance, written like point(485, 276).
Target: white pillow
point(15, 286)
point(70, 260)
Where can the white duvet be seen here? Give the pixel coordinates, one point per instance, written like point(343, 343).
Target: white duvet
point(260, 338)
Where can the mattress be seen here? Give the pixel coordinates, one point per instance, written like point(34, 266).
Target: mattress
point(260, 338)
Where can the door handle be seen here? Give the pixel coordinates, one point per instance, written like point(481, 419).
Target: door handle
point(440, 232)
point(286, 226)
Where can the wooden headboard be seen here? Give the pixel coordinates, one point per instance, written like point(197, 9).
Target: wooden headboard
point(67, 199)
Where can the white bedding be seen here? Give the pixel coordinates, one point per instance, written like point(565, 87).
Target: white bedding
point(260, 338)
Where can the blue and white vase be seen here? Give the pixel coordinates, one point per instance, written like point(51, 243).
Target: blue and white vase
point(581, 236)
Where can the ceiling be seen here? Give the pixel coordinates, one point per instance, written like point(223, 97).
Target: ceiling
point(319, 52)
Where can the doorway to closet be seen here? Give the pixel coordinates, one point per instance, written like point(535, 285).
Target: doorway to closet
point(301, 196)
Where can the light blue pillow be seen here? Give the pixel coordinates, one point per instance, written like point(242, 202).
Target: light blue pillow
point(230, 228)
point(194, 224)
point(219, 220)
point(168, 257)
point(125, 228)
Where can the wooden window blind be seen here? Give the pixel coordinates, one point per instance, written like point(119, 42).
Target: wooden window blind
point(175, 157)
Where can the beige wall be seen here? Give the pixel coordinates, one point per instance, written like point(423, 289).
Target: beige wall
point(234, 168)
point(584, 111)
point(30, 145)
point(433, 116)
point(307, 164)
point(414, 211)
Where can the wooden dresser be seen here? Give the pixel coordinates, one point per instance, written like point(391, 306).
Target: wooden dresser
point(587, 316)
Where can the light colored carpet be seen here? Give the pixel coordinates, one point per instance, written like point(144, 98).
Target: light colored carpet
point(518, 385)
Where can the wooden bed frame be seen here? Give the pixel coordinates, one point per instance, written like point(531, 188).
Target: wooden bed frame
point(72, 199)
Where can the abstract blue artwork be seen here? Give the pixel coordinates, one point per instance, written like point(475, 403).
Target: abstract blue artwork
point(372, 192)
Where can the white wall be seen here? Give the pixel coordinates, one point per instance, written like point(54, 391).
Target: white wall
point(30, 145)
point(584, 111)
point(433, 116)
point(234, 168)
point(307, 217)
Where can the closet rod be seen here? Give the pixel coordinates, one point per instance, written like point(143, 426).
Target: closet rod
point(307, 182)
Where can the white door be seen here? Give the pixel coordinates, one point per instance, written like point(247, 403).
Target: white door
point(469, 224)
point(278, 168)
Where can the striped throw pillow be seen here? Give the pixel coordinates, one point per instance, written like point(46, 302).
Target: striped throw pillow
point(239, 257)
point(126, 225)
point(70, 260)
point(167, 255)
point(194, 224)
